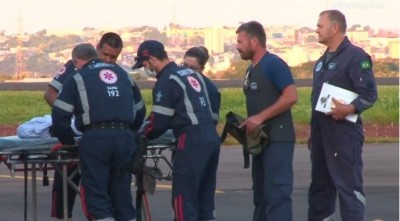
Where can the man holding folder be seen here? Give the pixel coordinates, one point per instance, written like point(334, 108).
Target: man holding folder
point(335, 143)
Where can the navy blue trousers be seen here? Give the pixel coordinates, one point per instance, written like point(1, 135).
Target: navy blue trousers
point(105, 157)
point(272, 173)
point(336, 156)
point(195, 164)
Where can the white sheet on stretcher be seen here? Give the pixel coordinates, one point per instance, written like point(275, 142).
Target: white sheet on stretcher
point(14, 143)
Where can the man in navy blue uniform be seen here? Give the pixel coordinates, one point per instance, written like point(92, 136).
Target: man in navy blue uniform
point(107, 106)
point(335, 143)
point(56, 83)
point(181, 103)
point(50, 96)
point(270, 93)
point(108, 48)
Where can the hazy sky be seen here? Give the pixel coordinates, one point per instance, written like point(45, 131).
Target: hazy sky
point(71, 14)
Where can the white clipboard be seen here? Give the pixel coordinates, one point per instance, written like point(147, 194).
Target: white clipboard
point(325, 99)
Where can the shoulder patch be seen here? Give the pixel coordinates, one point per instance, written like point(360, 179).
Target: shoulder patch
point(365, 65)
point(159, 95)
point(318, 67)
point(101, 65)
point(185, 72)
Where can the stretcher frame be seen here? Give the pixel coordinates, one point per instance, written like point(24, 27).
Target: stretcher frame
point(154, 155)
point(151, 155)
point(59, 161)
point(30, 159)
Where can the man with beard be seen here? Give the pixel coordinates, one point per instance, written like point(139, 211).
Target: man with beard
point(270, 93)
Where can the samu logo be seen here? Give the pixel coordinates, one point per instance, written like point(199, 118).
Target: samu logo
point(108, 76)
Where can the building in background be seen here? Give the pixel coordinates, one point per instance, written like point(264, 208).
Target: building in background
point(214, 39)
point(394, 48)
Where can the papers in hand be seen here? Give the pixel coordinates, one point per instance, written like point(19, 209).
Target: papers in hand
point(328, 92)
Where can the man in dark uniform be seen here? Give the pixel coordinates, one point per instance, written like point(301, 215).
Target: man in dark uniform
point(108, 48)
point(56, 83)
point(270, 93)
point(336, 144)
point(107, 106)
point(181, 103)
point(50, 96)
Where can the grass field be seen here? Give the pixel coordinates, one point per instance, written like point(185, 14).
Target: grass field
point(20, 106)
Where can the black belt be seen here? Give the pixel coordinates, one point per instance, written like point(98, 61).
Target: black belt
point(108, 125)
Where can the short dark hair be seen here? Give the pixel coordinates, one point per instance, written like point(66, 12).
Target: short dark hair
point(254, 29)
point(335, 16)
point(84, 51)
point(112, 39)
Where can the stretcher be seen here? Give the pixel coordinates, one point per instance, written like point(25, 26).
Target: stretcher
point(35, 154)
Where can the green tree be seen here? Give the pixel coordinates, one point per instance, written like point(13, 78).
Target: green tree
point(237, 69)
point(311, 39)
point(53, 43)
point(42, 32)
point(42, 64)
point(354, 27)
point(7, 65)
point(382, 68)
point(196, 40)
point(303, 71)
point(153, 33)
point(386, 68)
point(12, 42)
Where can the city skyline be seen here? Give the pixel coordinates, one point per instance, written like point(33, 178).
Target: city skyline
point(30, 16)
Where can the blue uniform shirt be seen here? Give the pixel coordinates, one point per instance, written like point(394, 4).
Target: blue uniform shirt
point(179, 101)
point(61, 75)
point(350, 68)
point(214, 96)
point(99, 92)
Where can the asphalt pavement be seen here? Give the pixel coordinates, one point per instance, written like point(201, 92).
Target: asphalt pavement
point(234, 195)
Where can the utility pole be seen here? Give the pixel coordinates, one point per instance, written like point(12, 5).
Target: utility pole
point(19, 58)
point(174, 25)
